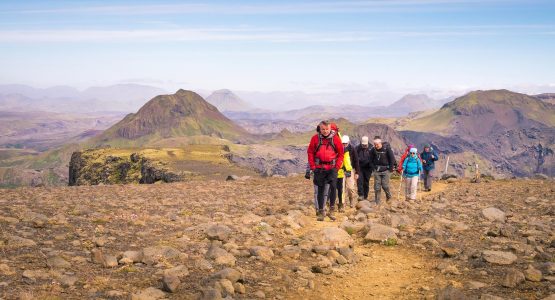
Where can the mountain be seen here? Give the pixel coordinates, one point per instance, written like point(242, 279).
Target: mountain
point(508, 132)
point(182, 114)
point(485, 112)
point(226, 100)
point(547, 97)
point(411, 103)
point(121, 97)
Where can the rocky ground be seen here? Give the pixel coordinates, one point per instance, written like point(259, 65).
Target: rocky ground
point(258, 238)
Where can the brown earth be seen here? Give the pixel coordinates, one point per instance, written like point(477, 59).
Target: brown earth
point(65, 243)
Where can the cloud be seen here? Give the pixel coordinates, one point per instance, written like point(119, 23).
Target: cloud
point(300, 7)
point(250, 34)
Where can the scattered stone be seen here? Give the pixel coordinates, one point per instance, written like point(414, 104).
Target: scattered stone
point(227, 287)
point(57, 262)
point(110, 261)
point(513, 278)
point(218, 232)
point(499, 257)
point(131, 257)
point(494, 214)
point(475, 285)
point(170, 282)
point(262, 253)
point(533, 274)
point(5, 270)
point(239, 288)
point(260, 294)
point(229, 274)
point(152, 255)
point(232, 178)
point(210, 294)
point(15, 242)
point(333, 237)
point(149, 294)
point(451, 293)
point(490, 297)
point(220, 256)
point(450, 251)
point(378, 233)
point(68, 280)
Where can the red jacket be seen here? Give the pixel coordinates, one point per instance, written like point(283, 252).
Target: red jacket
point(326, 153)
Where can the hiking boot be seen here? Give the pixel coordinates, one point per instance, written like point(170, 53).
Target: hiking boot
point(340, 208)
point(360, 198)
point(320, 215)
point(330, 214)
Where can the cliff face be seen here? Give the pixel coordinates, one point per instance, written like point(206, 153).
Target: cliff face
point(94, 166)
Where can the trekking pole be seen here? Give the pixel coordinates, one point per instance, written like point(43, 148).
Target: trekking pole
point(400, 186)
point(420, 185)
point(343, 192)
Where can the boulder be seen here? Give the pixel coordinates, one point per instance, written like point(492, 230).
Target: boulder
point(333, 237)
point(218, 232)
point(513, 278)
point(378, 233)
point(499, 257)
point(494, 214)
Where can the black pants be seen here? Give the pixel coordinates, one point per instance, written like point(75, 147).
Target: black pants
point(340, 191)
point(363, 182)
point(321, 178)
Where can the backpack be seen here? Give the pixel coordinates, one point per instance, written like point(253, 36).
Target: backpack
point(321, 139)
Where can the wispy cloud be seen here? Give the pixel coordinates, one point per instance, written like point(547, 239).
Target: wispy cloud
point(244, 34)
point(315, 7)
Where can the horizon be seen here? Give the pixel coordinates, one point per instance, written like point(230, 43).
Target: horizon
point(362, 51)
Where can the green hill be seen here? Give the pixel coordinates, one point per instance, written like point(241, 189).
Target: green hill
point(484, 112)
point(183, 114)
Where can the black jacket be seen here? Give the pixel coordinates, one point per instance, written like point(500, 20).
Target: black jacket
point(363, 156)
point(354, 157)
point(382, 159)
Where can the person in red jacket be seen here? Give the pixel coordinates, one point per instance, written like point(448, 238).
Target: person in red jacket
point(325, 157)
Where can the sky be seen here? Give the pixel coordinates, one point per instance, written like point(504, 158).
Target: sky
point(364, 47)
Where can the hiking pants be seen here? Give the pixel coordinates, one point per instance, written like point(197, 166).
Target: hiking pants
point(350, 186)
point(428, 177)
point(321, 178)
point(364, 182)
point(326, 192)
point(381, 181)
point(340, 190)
point(411, 186)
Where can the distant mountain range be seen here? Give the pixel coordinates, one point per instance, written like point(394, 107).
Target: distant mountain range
point(121, 97)
point(226, 100)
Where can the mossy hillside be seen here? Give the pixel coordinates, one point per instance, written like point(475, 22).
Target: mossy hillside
point(182, 114)
point(481, 111)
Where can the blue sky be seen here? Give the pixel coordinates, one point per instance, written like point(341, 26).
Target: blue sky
point(310, 46)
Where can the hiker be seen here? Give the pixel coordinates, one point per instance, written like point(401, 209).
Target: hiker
point(411, 170)
point(344, 173)
point(350, 180)
point(429, 157)
point(402, 159)
point(383, 162)
point(308, 175)
point(365, 168)
point(325, 156)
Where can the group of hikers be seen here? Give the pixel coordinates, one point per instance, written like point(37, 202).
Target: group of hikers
point(335, 165)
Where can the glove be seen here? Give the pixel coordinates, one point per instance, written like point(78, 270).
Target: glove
point(307, 174)
point(348, 173)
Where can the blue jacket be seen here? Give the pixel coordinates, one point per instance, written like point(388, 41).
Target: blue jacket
point(427, 156)
point(412, 166)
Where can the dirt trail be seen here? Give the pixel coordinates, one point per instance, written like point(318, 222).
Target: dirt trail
point(384, 272)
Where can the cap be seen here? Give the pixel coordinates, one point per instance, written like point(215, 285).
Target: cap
point(364, 140)
point(427, 146)
point(345, 139)
point(413, 150)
